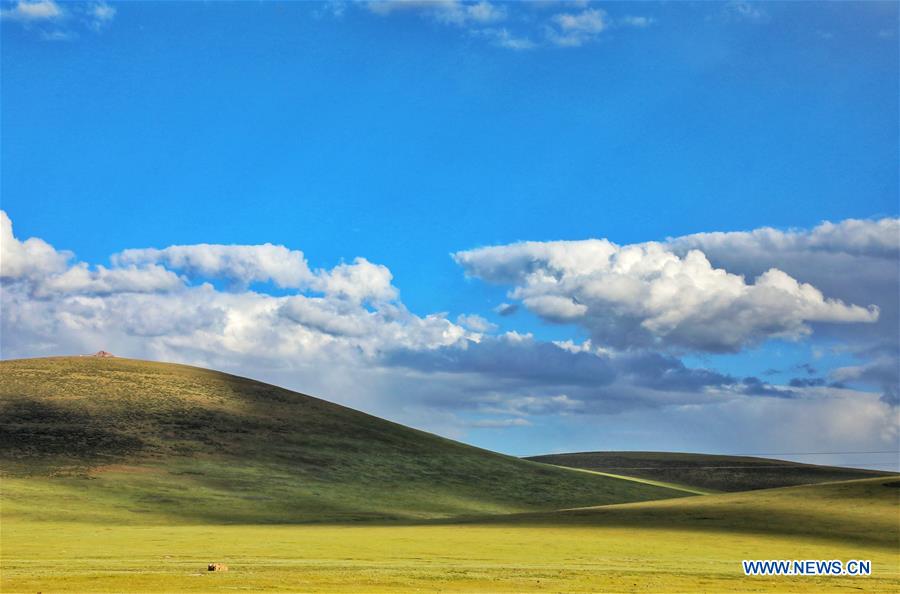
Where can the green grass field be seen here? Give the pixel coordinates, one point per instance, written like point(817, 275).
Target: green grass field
point(681, 545)
point(127, 476)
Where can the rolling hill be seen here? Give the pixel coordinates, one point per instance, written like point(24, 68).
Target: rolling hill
point(705, 471)
point(88, 438)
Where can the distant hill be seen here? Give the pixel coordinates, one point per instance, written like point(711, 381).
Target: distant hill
point(96, 437)
point(706, 471)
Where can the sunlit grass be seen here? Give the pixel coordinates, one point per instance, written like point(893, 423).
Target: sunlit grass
point(621, 548)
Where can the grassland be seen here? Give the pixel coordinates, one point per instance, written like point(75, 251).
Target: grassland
point(127, 476)
point(707, 472)
point(681, 545)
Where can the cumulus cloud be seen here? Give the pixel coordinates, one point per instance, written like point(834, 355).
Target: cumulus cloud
point(45, 272)
point(852, 260)
point(357, 282)
point(873, 238)
point(837, 280)
point(131, 279)
point(646, 295)
point(47, 298)
point(30, 259)
point(239, 264)
point(244, 265)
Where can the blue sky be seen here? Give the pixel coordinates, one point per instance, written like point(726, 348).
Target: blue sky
point(406, 132)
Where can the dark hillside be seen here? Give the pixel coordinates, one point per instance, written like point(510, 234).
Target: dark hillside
point(706, 471)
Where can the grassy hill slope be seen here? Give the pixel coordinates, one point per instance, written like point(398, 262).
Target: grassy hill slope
point(706, 471)
point(133, 441)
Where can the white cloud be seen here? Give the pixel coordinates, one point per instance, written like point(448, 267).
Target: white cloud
point(576, 29)
point(540, 405)
point(33, 11)
point(102, 280)
point(100, 14)
point(452, 12)
point(33, 258)
point(239, 264)
point(877, 238)
point(46, 272)
point(527, 25)
point(483, 12)
point(663, 296)
point(243, 265)
point(142, 307)
point(51, 22)
point(853, 260)
point(504, 38)
point(591, 20)
point(357, 282)
point(500, 423)
point(475, 323)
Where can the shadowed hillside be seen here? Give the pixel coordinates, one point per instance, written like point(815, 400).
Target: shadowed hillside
point(705, 471)
point(105, 435)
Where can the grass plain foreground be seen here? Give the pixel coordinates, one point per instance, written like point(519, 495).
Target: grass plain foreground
point(679, 545)
point(108, 503)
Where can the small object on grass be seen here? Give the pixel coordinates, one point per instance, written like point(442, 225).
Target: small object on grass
point(217, 567)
